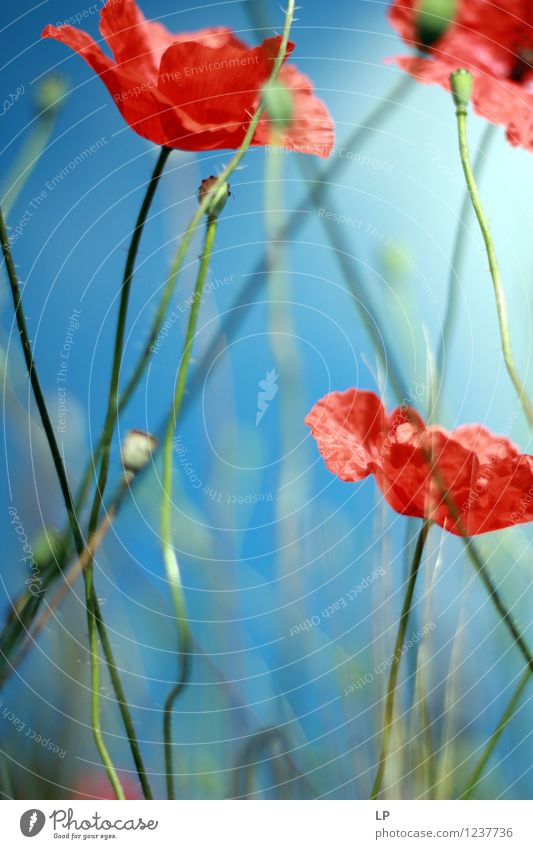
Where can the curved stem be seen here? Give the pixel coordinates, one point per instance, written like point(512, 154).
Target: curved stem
point(169, 555)
point(458, 255)
point(105, 449)
point(501, 306)
point(112, 401)
point(95, 687)
point(500, 728)
point(65, 489)
point(396, 657)
point(183, 677)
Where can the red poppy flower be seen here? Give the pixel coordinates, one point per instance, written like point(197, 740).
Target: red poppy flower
point(494, 40)
point(194, 91)
point(488, 481)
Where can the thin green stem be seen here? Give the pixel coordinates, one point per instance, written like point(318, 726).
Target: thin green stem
point(95, 687)
point(105, 450)
point(65, 489)
point(113, 400)
point(169, 555)
point(36, 386)
point(500, 728)
point(498, 603)
point(28, 157)
point(501, 306)
point(396, 657)
point(168, 712)
point(458, 254)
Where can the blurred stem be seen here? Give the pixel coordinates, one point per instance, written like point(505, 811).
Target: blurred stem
point(79, 566)
point(70, 576)
point(286, 357)
point(65, 489)
point(500, 728)
point(396, 657)
point(255, 753)
point(458, 255)
point(319, 181)
point(493, 265)
point(169, 555)
point(504, 614)
point(27, 158)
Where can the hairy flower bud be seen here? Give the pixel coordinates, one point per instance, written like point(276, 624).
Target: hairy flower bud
point(218, 195)
point(137, 448)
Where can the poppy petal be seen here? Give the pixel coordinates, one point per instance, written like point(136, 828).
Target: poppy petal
point(347, 427)
point(311, 128)
point(467, 480)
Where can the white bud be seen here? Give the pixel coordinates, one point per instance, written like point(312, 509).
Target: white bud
point(137, 448)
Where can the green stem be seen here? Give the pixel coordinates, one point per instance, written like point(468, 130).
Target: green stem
point(28, 157)
point(498, 603)
point(105, 449)
point(65, 489)
point(458, 255)
point(112, 401)
point(396, 657)
point(493, 265)
point(169, 555)
point(500, 728)
point(168, 712)
point(36, 386)
point(95, 687)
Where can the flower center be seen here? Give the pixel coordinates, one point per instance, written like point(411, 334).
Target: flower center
point(523, 64)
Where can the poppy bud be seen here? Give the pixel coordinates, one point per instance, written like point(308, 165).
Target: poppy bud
point(433, 19)
point(49, 94)
point(137, 448)
point(461, 82)
point(277, 101)
point(218, 195)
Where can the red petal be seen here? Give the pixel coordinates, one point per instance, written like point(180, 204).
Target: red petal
point(138, 101)
point(82, 43)
point(347, 427)
point(133, 39)
point(485, 38)
point(468, 480)
point(311, 129)
point(214, 89)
